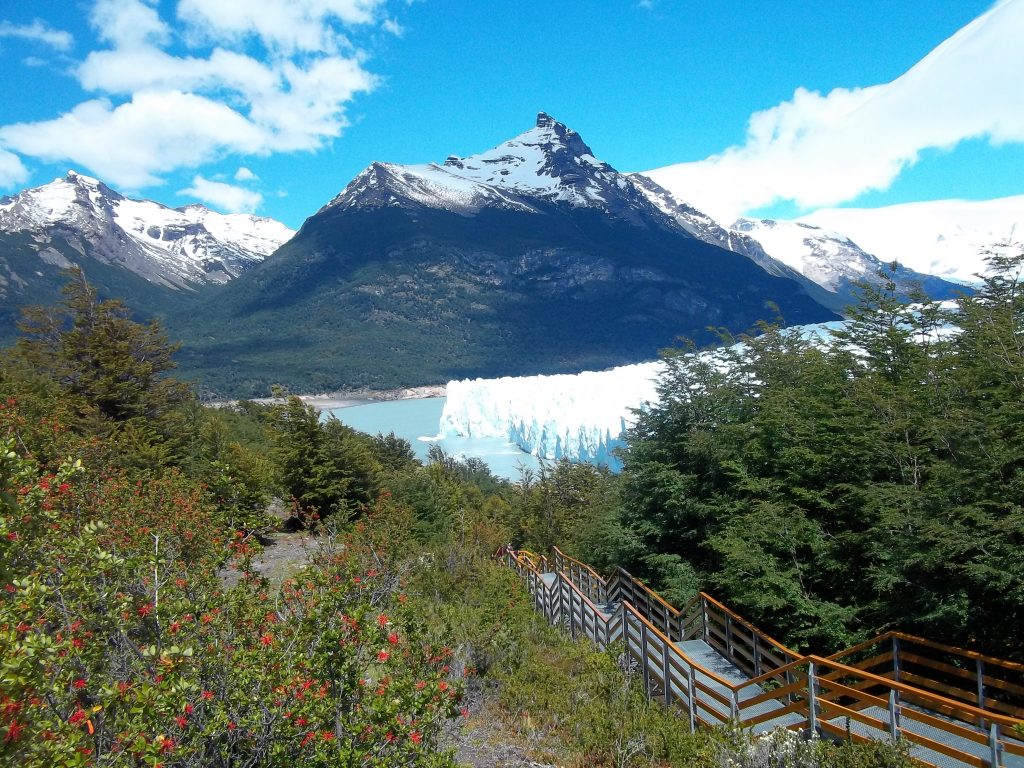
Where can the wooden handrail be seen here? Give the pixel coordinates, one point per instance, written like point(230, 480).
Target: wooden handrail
point(581, 564)
point(693, 664)
point(973, 713)
point(841, 688)
point(989, 660)
point(675, 611)
point(736, 617)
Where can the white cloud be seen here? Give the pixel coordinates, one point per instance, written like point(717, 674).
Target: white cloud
point(392, 26)
point(819, 150)
point(244, 174)
point(287, 25)
point(226, 197)
point(39, 31)
point(12, 171)
point(129, 23)
point(157, 110)
point(132, 143)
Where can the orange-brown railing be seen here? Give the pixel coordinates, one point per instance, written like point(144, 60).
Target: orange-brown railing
point(985, 682)
point(843, 700)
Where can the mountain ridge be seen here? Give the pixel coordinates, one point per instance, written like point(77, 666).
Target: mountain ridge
point(533, 256)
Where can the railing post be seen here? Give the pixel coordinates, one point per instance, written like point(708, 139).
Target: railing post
point(812, 699)
point(894, 716)
point(704, 618)
point(666, 672)
point(979, 667)
point(572, 613)
point(734, 705)
point(757, 653)
point(994, 745)
point(728, 635)
point(896, 659)
point(643, 659)
point(691, 689)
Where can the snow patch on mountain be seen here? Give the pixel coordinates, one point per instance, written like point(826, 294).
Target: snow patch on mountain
point(828, 258)
point(550, 163)
point(939, 237)
point(176, 247)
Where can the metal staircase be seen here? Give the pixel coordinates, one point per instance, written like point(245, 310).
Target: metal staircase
point(953, 707)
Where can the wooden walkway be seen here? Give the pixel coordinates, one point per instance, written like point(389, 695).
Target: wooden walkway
point(953, 707)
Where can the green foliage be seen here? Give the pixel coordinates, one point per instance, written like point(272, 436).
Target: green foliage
point(119, 646)
point(326, 467)
point(96, 353)
point(830, 493)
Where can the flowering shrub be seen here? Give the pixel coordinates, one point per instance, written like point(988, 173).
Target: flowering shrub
point(119, 647)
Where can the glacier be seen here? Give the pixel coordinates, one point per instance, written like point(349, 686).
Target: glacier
point(581, 417)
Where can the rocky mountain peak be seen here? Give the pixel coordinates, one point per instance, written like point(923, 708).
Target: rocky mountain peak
point(174, 247)
point(549, 163)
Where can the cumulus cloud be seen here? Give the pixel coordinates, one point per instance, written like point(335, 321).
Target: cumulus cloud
point(39, 31)
point(287, 25)
point(244, 174)
point(12, 171)
point(819, 149)
point(251, 78)
point(132, 143)
point(226, 197)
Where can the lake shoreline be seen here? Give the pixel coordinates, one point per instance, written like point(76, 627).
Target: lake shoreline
point(350, 398)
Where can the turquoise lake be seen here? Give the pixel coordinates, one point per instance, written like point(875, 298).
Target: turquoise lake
point(417, 421)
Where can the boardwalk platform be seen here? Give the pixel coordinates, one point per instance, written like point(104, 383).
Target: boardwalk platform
point(955, 708)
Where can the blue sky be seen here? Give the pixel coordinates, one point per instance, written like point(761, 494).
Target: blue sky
point(274, 105)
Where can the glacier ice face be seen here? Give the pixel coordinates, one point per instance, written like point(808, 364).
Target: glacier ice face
point(581, 417)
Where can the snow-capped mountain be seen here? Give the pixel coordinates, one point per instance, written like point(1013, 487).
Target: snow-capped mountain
point(549, 163)
point(827, 263)
point(172, 247)
point(833, 260)
point(828, 258)
point(946, 238)
point(532, 257)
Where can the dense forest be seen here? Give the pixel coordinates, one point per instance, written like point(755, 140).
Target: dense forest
point(829, 492)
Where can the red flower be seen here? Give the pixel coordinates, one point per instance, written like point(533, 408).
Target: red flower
point(181, 720)
point(78, 716)
point(145, 610)
point(14, 731)
point(189, 709)
point(267, 639)
point(207, 695)
point(383, 620)
point(80, 683)
point(415, 737)
point(383, 656)
point(393, 638)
